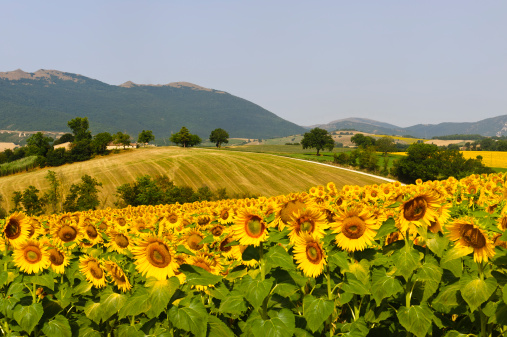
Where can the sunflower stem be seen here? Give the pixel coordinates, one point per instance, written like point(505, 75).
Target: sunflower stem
point(329, 296)
point(262, 264)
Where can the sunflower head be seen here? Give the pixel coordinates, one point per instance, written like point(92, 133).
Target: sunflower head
point(16, 229)
point(59, 259)
point(30, 257)
point(93, 270)
point(117, 276)
point(309, 255)
point(250, 227)
point(467, 235)
point(355, 227)
point(154, 257)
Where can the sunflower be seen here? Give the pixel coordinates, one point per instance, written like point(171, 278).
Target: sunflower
point(117, 276)
point(16, 229)
point(59, 259)
point(250, 227)
point(66, 232)
point(225, 215)
point(35, 228)
point(154, 257)
point(118, 242)
point(287, 206)
point(93, 271)
point(309, 255)
point(310, 220)
point(226, 251)
point(469, 237)
point(30, 257)
point(418, 210)
point(191, 238)
point(355, 227)
point(91, 234)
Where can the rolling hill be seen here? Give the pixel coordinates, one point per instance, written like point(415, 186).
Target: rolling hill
point(47, 99)
point(238, 172)
point(495, 126)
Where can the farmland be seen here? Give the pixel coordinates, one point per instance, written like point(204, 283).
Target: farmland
point(238, 172)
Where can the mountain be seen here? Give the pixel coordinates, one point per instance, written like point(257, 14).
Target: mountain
point(495, 126)
point(47, 99)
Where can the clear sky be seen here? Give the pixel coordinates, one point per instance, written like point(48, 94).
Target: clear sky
point(310, 62)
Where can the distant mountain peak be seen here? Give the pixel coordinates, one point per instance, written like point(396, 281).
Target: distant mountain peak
point(41, 74)
point(130, 84)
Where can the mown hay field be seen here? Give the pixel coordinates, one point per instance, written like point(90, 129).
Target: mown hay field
point(238, 172)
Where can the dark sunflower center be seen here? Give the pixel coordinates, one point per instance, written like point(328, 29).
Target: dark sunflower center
point(13, 229)
point(473, 236)
point(254, 227)
point(95, 270)
point(223, 245)
point(224, 215)
point(353, 227)
point(121, 222)
point(217, 230)
point(67, 233)
point(56, 257)
point(504, 223)
point(121, 240)
point(415, 209)
point(91, 231)
point(173, 218)
point(158, 254)
point(103, 226)
point(32, 254)
point(203, 220)
point(117, 275)
point(193, 241)
point(313, 253)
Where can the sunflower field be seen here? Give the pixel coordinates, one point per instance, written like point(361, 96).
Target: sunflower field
point(428, 259)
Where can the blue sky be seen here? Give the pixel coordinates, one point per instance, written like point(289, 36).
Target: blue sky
point(310, 62)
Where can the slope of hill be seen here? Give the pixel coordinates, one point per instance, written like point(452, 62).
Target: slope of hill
point(48, 99)
point(238, 172)
point(495, 126)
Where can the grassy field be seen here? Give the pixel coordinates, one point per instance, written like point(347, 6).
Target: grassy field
point(238, 172)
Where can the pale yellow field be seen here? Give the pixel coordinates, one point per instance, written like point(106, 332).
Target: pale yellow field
point(238, 172)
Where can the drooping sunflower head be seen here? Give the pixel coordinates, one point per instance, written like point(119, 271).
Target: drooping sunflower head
point(468, 236)
point(118, 241)
point(191, 238)
point(35, 228)
point(30, 257)
point(249, 227)
point(356, 228)
point(227, 250)
point(418, 210)
point(59, 259)
point(91, 234)
point(154, 257)
point(16, 229)
point(117, 276)
point(203, 220)
point(216, 230)
point(288, 206)
point(309, 255)
point(93, 270)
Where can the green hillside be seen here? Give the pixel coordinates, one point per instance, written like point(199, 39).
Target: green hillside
point(47, 100)
point(238, 172)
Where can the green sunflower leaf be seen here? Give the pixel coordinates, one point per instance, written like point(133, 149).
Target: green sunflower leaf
point(111, 303)
point(233, 304)
point(316, 311)
point(476, 291)
point(277, 256)
point(160, 293)
point(28, 316)
point(59, 326)
point(197, 276)
point(417, 319)
point(388, 227)
point(136, 304)
point(406, 261)
point(280, 324)
point(255, 290)
point(217, 328)
point(384, 285)
point(192, 317)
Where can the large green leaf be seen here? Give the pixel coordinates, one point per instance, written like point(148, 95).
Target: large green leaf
point(437, 243)
point(160, 293)
point(93, 311)
point(126, 330)
point(28, 316)
point(338, 258)
point(406, 261)
point(217, 328)
point(388, 227)
point(45, 280)
point(447, 298)
point(192, 317)
point(233, 304)
point(59, 326)
point(429, 271)
point(4, 276)
point(277, 256)
point(416, 319)
point(476, 291)
point(316, 311)
point(136, 304)
point(353, 285)
point(384, 285)
point(219, 291)
point(111, 303)
point(197, 276)
point(456, 253)
point(280, 324)
point(255, 290)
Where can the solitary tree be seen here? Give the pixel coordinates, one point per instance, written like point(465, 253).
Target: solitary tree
point(319, 139)
point(362, 141)
point(79, 127)
point(145, 137)
point(38, 144)
point(219, 136)
point(100, 141)
point(83, 196)
point(185, 138)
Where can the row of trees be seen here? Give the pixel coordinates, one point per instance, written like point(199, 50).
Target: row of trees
point(186, 139)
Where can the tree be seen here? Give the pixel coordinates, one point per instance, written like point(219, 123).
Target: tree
point(145, 137)
point(319, 139)
point(83, 196)
point(385, 145)
point(38, 144)
point(68, 137)
point(53, 195)
point(3, 212)
point(121, 138)
point(362, 141)
point(79, 127)
point(185, 138)
point(219, 136)
point(100, 141)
